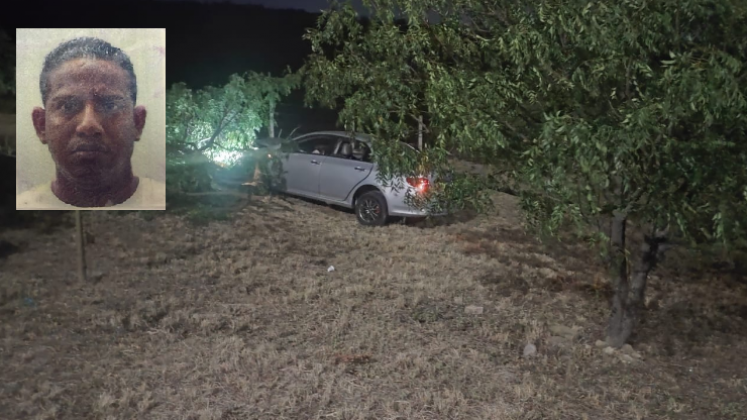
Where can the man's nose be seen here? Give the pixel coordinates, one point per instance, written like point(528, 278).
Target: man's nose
point(90, 125)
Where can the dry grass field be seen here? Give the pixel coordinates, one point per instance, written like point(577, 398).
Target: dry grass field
point(241, 319)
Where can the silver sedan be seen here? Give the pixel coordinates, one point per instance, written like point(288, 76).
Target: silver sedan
point(333, 167)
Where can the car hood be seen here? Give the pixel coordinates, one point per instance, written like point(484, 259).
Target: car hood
point(273, 144)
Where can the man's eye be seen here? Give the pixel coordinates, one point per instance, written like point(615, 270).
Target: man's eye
point(110, 106)
point(70, 106)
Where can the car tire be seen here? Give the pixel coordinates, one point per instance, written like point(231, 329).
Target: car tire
point(371, 209)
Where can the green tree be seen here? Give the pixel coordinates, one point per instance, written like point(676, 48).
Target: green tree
point(217, 124)
point(377, 72)
point(389, 81)
point(630, 112)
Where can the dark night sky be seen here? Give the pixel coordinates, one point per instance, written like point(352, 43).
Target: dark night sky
point(313, 6)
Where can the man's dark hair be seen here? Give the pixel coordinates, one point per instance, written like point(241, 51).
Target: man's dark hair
point(85, 47)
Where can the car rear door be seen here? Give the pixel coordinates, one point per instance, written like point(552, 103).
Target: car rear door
point(341, 174)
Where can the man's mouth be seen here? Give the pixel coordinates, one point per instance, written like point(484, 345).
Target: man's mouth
point(89, 148)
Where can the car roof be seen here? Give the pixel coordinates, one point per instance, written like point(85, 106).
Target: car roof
point(366, 138)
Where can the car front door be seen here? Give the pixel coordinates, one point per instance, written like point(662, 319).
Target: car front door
point(303, 165)
point(341, 173)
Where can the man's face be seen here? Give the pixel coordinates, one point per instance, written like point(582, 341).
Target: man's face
point(89, 122)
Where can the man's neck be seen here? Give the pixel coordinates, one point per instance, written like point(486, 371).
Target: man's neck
point(102, 192)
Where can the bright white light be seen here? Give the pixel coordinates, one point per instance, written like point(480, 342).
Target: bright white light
point(224, 158)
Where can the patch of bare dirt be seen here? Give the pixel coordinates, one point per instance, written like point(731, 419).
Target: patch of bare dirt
point(241, 319)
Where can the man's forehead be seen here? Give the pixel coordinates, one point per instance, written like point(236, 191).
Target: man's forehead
point(86, 76)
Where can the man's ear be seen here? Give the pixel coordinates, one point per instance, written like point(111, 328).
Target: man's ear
point(139, 118)
point(38, 116)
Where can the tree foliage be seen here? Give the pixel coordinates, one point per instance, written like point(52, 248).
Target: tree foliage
point(378, 73)
point(217, 124)
point(631, 111)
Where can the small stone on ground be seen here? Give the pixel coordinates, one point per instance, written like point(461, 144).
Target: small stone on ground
point(563, 331)
point(558, 342)
point(473, 310)
point(530, 350)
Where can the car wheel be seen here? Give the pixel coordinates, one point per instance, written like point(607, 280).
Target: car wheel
point(371, 209)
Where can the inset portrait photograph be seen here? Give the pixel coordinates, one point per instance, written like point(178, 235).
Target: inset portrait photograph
point(90, 119)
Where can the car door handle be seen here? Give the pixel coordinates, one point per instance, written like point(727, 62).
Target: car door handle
point(358, 168)
point(314, 161)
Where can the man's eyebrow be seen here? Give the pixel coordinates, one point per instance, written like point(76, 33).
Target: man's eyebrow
point(111, 97)
point(63, 98)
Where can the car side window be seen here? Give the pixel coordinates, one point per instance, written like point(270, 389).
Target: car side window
point(361, 152)
point(321, 145)
point(354, 150)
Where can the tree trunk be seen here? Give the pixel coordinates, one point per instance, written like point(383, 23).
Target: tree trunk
point(630, 292)
point(615, 335)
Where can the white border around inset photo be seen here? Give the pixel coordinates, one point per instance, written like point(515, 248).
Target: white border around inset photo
point(146, 49)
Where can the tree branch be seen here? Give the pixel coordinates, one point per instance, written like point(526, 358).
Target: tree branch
point(633, 200)
point(627, 83)
point(216, 133)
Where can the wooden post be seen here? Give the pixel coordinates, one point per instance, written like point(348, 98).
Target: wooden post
point(80, 240)
point(420, 132)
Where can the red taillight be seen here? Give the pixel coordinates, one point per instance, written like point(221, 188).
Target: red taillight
point(420, 184)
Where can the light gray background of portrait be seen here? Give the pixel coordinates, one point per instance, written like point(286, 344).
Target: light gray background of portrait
point(147, 51)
